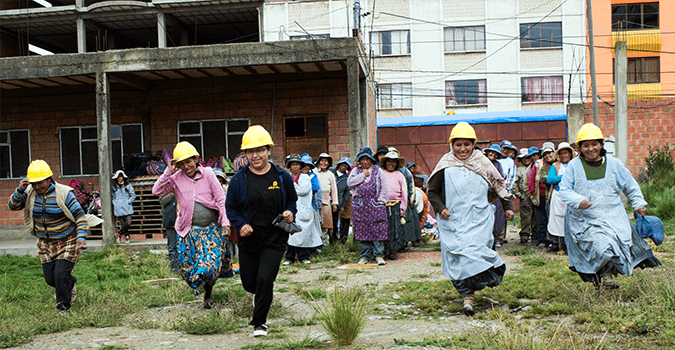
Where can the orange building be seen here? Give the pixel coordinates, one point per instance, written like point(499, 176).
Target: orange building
point(648, 28)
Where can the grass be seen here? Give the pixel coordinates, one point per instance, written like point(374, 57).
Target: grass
point(343, 316)
point(305, 343)
point(212, 323)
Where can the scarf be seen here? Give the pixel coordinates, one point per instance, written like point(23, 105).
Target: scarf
point(479, 164)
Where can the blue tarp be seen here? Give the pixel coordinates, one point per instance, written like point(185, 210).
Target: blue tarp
point(475, 118)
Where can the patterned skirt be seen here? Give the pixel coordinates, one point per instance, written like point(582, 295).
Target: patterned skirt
point(66, 249)
point(204, 256)
point(395, 239)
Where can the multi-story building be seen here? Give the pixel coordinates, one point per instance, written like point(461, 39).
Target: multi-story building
point(433, 57)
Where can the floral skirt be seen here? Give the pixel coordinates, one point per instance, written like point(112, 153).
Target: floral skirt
point(204, 256)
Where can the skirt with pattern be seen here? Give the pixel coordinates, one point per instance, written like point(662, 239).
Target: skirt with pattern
point(204, 256)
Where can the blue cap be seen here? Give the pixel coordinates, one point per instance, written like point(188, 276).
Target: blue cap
point(409, 165)
point(308, 161)
point(494, 148)
point(508, 144)
point(345, 160)
point(366, 152)
point(532, 151)
point(294, 157)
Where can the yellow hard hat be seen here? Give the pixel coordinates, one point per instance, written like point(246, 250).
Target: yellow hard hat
point(183, 151)
point(462, 131)
point(256, 136)
point(38, 170)
point(589, 132)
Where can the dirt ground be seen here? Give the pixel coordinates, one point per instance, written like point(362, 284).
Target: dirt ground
point(379, 332)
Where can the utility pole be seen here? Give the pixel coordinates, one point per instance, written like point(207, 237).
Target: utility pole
point(621, 100)
point(357, 15)
point(591, 46)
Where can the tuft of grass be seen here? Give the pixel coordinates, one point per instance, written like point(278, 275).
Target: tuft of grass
point(520, 251)
point(211, 323)
point(306, 343)
point(300, 322)
point(343, 316)
point(435, 263)
point(327, 277)
point(312, 294)
point(420, 275)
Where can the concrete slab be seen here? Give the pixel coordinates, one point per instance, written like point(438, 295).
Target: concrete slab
point(28, 246)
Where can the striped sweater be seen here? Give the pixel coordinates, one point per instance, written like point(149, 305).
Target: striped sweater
point(50, 221)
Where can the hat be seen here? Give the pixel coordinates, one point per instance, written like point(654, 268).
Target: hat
point(219, 173)
point(410, 164)
point(294, 156)
point(307, 160)
point(382, 149)
point(325, 156)
point(366, 152)
point(345, 160)
point(117, 174)
point(547, 147)
point(392, 155)
point(564, 145)
point(532, 151)
point(495, 148)
point(508, 144)
point(522, 153)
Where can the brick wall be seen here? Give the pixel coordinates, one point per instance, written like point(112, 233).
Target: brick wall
point(650, 123)
point(161, 110)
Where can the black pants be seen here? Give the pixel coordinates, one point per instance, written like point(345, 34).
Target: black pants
point(171, 245)
point(341, 234)
point(258, 270)
point(303, 253)
point(336, 235)
point(540, 224)
point(58, 275)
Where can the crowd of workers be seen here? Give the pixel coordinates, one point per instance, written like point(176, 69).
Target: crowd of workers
point(280, 215)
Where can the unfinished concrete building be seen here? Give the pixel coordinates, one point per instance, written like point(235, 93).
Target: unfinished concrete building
point(130, 77)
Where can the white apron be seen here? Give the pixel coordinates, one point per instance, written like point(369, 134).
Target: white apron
point(310, 236)
point(556, 218)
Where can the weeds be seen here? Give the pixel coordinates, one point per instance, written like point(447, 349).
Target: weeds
point(343, 317)
point(305, 343)
point(212, 323)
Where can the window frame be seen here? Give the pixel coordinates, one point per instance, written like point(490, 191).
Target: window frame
point(121, 139)
point(480, 94)
point(200, 148)
point(9, 144)
point(377, 45)
point(403, 96)
point(80, 140)
point(526, 43)
point(309, 37)
point(643, 63)
point(642, 16)
point(562, 89)
point(464, 29)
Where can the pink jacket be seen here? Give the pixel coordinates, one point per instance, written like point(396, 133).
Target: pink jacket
point(204, 188)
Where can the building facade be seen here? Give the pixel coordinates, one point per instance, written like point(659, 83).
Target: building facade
point(433, 57)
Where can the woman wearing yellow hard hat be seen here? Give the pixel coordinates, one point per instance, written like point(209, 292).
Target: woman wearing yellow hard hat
point(458, 191)
point(260, 193)
point(55, 217)
point(202, 225)
point(599, 237)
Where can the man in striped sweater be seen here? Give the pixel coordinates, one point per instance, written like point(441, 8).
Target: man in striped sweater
point(55, 217)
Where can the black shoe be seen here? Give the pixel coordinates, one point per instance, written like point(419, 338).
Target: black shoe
point(504, 241)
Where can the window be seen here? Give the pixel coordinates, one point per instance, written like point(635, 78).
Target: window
point(126, 140)
point(536, 35)
point(79, 151)
point(214, 138)
point(395, 42)
point(307, 37)
point(543, 89)
point(465, 92)
point(394, 96)
point(14, 153)
point(306, 134)
point(643, 70)
point(635, 16)
point(463, 39)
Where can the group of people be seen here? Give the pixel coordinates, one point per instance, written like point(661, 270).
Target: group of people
point(381, 196)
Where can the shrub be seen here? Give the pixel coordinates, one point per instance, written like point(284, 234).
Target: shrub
point(343, 317)
point(659, 166)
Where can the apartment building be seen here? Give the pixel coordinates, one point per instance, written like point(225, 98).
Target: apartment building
point(435, 57)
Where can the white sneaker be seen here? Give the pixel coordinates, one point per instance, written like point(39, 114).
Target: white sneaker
point(363, 261)
point(286, 263)
point(260, 331)
point(498, 245)
point(306, 262)
point(380, 261)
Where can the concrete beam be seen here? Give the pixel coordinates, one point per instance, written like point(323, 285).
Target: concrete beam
point(104, 155)
point(177, 58)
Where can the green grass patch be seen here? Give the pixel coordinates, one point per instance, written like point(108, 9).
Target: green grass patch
point(520, 251)
point(211, 323)
point(305, 343)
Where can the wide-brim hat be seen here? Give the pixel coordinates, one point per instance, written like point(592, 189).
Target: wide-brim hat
point(494, 148)
point(508, 144)
point(324, 156)
point(382, 149)
point(547, 147)
point(117, 174)
point(564, 145)
point(392, 155)
point(522, 153)
point(219, 173)
point(293, 157)
point(532, 151)
point(307, 160)
point(366, 152)
point(345, 160)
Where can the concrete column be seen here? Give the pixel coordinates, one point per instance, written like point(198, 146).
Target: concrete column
point(621, 101)
point(358, 131)
point(81, 30)
point(575, 119)
point(161, 30)
point(104, 155)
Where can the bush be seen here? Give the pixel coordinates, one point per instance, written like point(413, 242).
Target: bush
point(343, 317)
point(659, 166)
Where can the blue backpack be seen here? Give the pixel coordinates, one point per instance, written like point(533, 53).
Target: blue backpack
point(649, 227)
